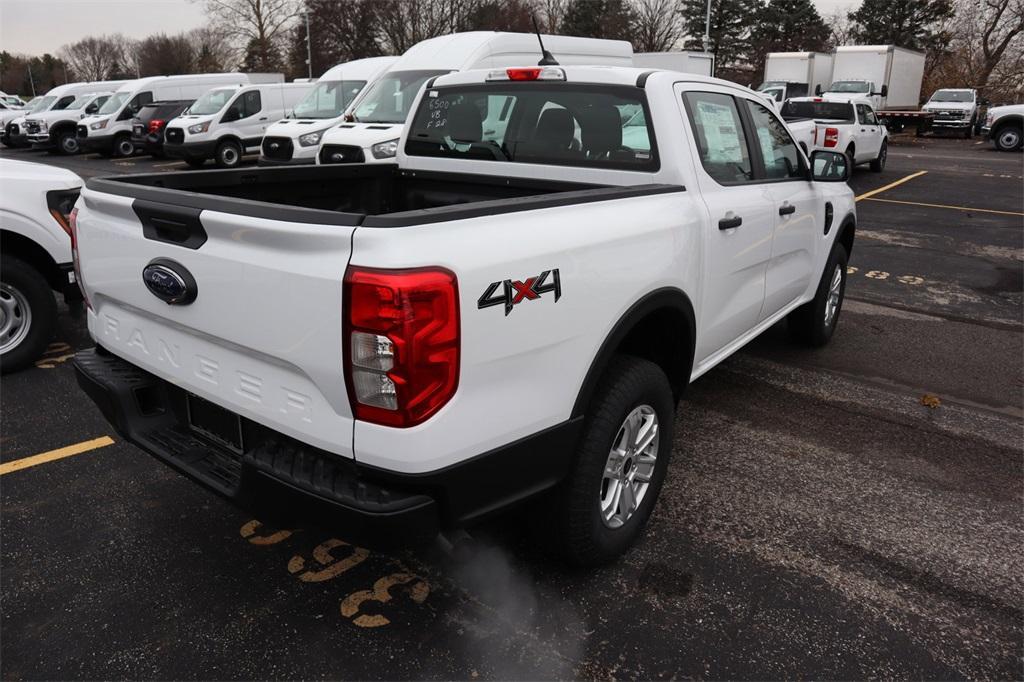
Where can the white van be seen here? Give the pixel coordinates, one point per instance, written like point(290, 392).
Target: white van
point(228, 122)
point(379, 113)
point(56, 130)
point(295, 140)
point(56, 99)
point(109, 131)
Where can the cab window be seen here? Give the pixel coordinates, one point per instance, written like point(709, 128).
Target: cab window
point(778, 151)
point(63, 103)
point(135, 105)
point(866, 115)
point(249, 103)
point(720, 140)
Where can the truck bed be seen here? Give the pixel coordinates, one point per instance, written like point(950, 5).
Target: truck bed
point(369, 195)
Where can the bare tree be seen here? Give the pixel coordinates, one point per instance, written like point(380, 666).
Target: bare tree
point(404, 23)
point(95, 58)
point(209, 51)
point(259, 26)
point(656, 26)
point(840, 29)
point(550, 14)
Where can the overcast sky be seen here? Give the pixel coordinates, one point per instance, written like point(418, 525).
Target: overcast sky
point(39, 26)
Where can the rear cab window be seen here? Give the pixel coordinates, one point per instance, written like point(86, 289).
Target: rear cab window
point(598, 126)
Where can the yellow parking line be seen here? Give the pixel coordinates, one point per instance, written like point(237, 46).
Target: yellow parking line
point(955, 208)
point(59, 453)
point(890, 185)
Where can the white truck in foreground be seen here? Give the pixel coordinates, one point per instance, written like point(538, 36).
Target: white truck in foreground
point(849, 126)
point(496, 317)
point(35, 256)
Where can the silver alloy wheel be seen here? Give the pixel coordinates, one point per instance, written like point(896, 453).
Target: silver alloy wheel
point(229, 155)
point(15, 318)
point(630, 466)
point(69, 144)
point(1009, 138)
point(835, 291)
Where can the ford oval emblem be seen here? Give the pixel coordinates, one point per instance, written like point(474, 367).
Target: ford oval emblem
point(169, 281)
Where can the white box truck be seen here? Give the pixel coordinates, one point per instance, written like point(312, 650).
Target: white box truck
point(685, 61)
point(795, 74)
point(889, 76)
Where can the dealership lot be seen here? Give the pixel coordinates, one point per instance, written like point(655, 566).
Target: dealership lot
point(819, 519)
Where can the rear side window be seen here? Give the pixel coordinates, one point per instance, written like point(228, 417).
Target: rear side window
point(866, 115)
point(568, 125)
point(720, 140)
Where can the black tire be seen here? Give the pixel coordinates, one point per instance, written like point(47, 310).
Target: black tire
point(851, 158)
point(195, 163)
point(969, 133)
point(809, 324)
point(124, 147)
point(228, 154)
point(878, 165)
point(66, 143)
point(580, 533)
point(1007, 138)
point(18, 278)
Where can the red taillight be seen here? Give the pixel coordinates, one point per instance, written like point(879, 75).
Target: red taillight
point(73, 223)
point(401, 338)
point(831, 137)
point(523, 74)
point(155, 125)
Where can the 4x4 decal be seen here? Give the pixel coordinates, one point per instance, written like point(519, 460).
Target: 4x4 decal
point(514, 292)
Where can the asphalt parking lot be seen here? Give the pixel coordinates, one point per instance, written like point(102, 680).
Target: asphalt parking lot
point(819, 520)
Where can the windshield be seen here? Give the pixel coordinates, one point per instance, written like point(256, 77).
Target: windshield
point(329, 99)
point(839, 111)
point(389, 99)
point(42, 104)
point(953, 96)
point(848, 86)
point(212, 102)
point(114, 103)
point(571, 125)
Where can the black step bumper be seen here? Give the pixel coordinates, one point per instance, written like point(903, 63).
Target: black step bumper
point(280, 479)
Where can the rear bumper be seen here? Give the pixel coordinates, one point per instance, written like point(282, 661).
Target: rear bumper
point(282, 479)
point(190, 150)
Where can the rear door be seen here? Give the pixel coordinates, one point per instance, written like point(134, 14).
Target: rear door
point(795, 208)
point(738, 241)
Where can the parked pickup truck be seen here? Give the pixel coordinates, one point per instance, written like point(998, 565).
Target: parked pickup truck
point(414, 346)
point(1004, 126)
point(849, 126)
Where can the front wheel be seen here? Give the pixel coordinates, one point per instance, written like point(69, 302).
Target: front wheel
point(67, 143)
point(878, 165)
point(228, 155)
point(28, 314)
point(604, 504)
point(969, 132)
point(1007, 139)
point(814, 322)
point(123, 145)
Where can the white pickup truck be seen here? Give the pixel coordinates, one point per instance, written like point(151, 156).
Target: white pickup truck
point(849, 126)
point(411, 347)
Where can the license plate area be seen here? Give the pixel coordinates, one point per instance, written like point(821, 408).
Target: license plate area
point(213, 422)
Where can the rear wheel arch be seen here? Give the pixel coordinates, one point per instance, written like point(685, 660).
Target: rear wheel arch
point(660, 327)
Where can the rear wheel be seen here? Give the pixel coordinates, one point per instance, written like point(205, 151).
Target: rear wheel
point(878, 165)
point(814, 322)
point(228, 155)
point(123, 145)
point(1007, 138)
point(851, 158)
point(621, 461)
point(28, 314)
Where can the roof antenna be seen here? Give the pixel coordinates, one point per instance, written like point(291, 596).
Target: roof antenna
point(547, 59)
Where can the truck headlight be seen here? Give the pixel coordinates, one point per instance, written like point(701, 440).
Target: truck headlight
point(99, 125)
point(385, 150)
point(199, 128)
point(311, 139)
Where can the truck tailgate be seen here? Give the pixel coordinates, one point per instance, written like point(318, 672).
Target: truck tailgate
point(263, 335)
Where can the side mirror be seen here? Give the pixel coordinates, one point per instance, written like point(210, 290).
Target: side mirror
point(885, 91)
point(91, 109)
point(232, 114)
point(829, 166)
point(817, 89)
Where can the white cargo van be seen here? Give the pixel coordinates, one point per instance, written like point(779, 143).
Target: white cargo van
point(380, 111)
point(56, 130)
point(795, 74)
point(295, 140)
point(889, 76)
point(228, 122)
point(684, 61)
point(109, 131)
point(56, 99)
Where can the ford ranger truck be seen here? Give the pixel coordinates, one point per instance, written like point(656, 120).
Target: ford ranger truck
point(497, 317)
